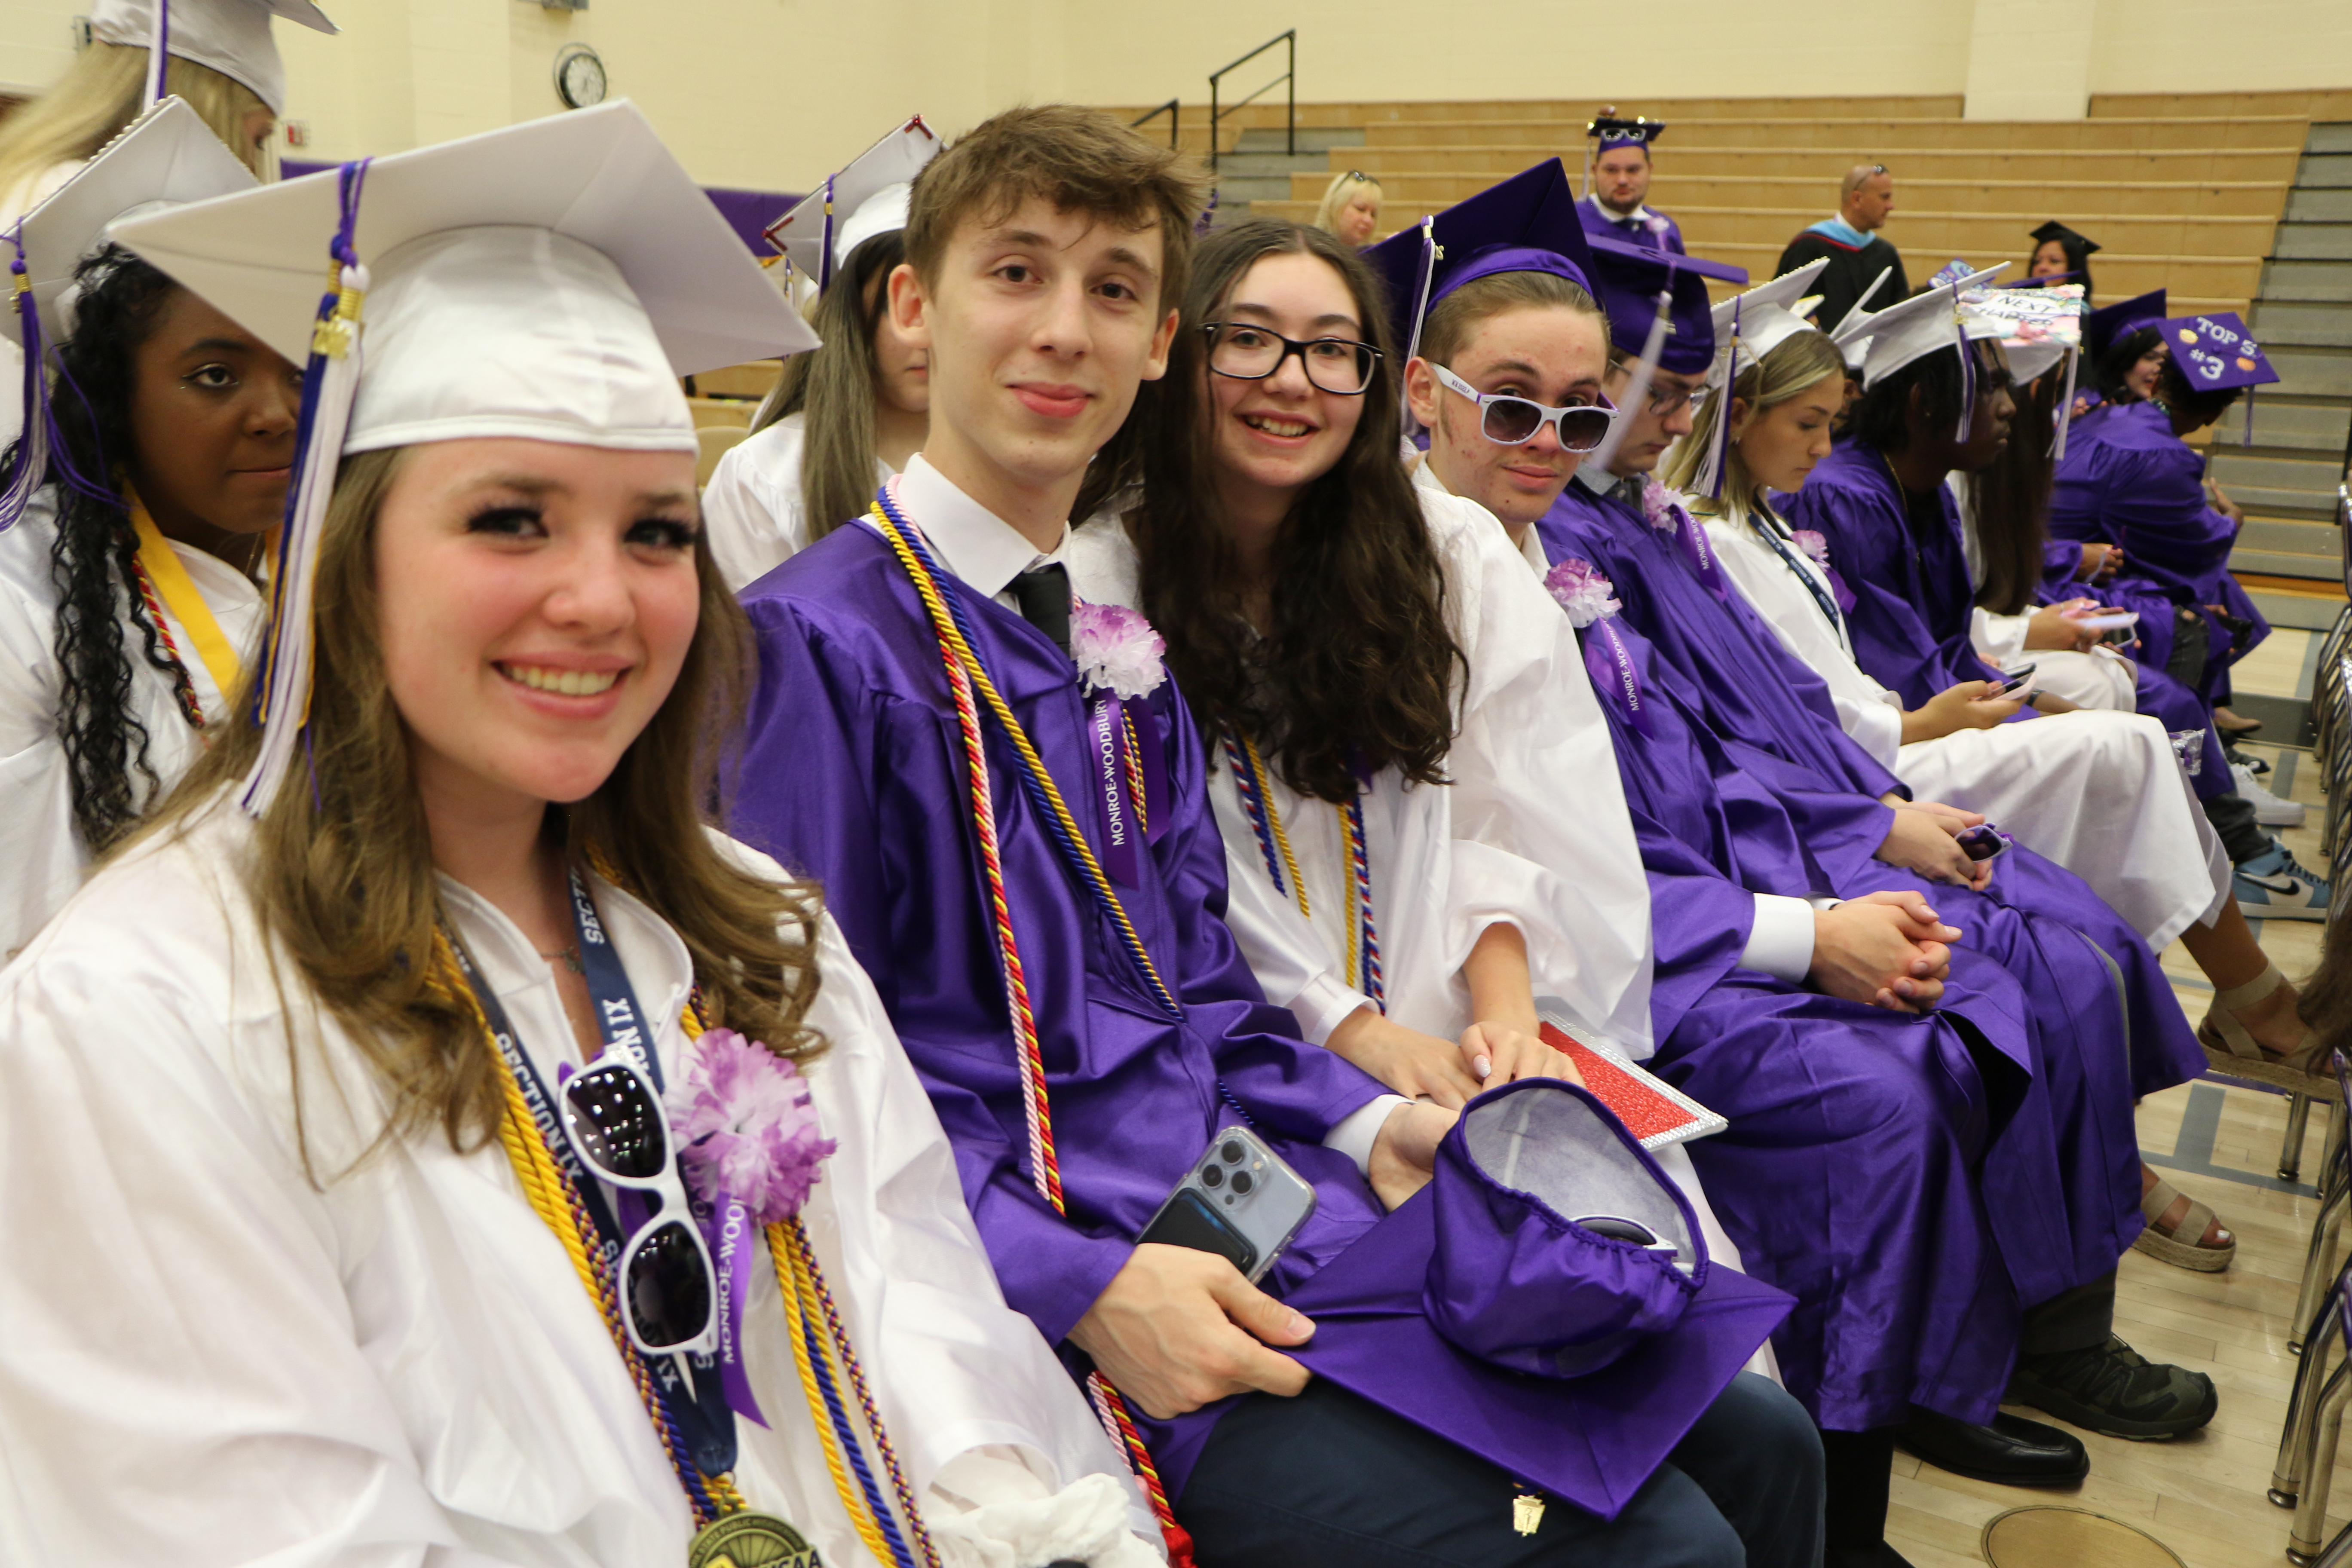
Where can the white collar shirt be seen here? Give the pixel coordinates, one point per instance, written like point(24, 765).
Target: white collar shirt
point(979, 547)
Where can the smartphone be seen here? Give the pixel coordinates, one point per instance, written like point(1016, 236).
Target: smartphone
point(2017, 679)
point(1983, 842)
point(2114, 620)
point(1240, 1200)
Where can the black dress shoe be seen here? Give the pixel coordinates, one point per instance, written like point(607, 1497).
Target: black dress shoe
point(2012, 1451)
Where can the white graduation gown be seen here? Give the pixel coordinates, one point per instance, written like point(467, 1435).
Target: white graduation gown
point(41, 854)
point(753, 511)
point(2100, 793)
point(1532, 829)
point(213, 1358)
point(2101, 679)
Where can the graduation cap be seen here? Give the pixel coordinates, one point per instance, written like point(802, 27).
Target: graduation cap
point(1514, 1307)
point(1609, 131)
point(2102, 329)
point(2217, 353)
point(167, 156)
point(2076, 244)
point(550, 280)
point(232, 37)
point(868, 197)
point(1909, 329)
point(1526, 224)
point(1746, 328)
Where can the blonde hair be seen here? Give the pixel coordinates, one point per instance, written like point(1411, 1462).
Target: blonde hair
point(1792, 366)
point(1339, 194)
point(1450, 321)
point(102, 92)
point(341, 874)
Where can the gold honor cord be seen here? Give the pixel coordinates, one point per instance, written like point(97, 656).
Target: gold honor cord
point(184, 600)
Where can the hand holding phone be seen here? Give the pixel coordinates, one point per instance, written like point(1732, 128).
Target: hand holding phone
point(1241, 1200)
point(2017, 679)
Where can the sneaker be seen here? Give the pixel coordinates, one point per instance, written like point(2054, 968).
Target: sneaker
point(2275, 886)
point(2112, 1389)
point(2270, 810)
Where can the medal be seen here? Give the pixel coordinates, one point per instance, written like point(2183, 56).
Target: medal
point(749, 1539)
point(1526, 1514)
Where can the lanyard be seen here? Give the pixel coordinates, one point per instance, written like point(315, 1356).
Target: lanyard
point(185, 601)
point(1822, 596)
point(698, 1402)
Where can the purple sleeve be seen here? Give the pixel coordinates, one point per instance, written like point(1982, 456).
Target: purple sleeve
point(1699, 922)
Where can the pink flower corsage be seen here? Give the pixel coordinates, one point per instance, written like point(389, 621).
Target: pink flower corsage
point(1658, 505)
point(1583, 593)
point(745, 1127)
point(1116, 650)
point(1813, 543)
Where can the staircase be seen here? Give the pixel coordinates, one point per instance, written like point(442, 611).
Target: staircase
point(1257, 168)
point(2303, 317)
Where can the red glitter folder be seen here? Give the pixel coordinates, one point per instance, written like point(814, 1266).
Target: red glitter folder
point(1653, 1111)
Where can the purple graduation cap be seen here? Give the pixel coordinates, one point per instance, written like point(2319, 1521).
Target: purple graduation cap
point(2216, 353)
point(1526, 224)
point(2102, 329)
point(1545, 1301)
point(1629, 280)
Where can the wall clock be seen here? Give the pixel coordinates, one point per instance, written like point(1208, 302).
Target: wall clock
point(579, 75)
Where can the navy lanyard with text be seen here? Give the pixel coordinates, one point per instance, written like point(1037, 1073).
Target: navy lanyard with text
point(1813, 584)
point(700, 1405)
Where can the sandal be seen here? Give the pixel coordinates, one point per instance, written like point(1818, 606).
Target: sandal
point(2169, 1246)
point(2232, 1050)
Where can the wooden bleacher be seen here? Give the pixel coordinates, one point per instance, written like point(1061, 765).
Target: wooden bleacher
point(2184, 191)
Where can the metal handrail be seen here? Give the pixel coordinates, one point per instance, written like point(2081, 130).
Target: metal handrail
point(1172, 110)
point(1290, 75)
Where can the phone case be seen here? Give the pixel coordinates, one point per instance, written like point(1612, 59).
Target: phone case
point(1653, 1110)
point(1240, 1200)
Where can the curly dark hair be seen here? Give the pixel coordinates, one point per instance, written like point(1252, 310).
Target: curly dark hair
point(2199, 406)
point(121, 300)
point(1356, 671)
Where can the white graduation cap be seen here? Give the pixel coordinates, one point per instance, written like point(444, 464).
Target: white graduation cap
point(165, 157)
point(867, 198)
point(549, 281)
point(1910, 330)
point(232, 37)
point(1747, 327)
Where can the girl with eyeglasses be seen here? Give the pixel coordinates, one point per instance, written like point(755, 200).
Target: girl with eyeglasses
point(428, 1141)
point(1372, 670)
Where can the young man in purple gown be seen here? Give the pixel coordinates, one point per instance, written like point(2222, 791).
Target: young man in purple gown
point(1045, 251)
point(1912, 1314)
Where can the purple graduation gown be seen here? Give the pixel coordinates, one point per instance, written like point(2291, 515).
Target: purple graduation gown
point(1911, 617)
point(2128, 480)
point(851, 771)
point(1598, 219)
point(1914, 1180)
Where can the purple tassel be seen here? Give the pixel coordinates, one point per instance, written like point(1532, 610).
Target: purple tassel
point(158, 44)
point(2248, 439)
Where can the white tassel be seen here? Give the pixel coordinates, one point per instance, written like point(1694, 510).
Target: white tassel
point(1644, 370)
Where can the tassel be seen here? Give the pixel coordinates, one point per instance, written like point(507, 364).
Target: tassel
point(330, 384)
point(1644, 369)
point(157, 51)
point(2066, 407)
point(33, 445)
point(1717, 458)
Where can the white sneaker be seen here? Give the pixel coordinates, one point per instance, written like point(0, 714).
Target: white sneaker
point(2270, 810)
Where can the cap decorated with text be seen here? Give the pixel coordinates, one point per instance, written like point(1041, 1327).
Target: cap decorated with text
point(2216, 353)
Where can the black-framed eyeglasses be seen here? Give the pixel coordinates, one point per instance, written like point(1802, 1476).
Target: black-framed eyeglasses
point(1341, 366)
point(1509, 421)
point(613, 1120)
point(1665, 400)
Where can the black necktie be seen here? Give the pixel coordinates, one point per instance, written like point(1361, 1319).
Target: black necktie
point(1044, 596)
point(1629, 490)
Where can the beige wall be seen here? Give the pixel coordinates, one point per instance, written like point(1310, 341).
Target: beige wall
point(773, 93)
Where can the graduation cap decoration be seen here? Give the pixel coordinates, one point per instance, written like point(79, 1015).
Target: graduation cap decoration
point(2217, 353)
point(866, 198)
point(549, 281)
point(1935, 318)
point(1609, 130)
point(232, 37)
point(167, 156)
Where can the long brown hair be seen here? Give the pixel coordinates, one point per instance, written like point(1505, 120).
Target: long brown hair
point(831, 387)
point(342, 879)
point(2010, 501)
point(101, 93)
point(1356, 671)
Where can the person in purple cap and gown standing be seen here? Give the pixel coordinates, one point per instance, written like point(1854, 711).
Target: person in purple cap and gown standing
point(1044, 934)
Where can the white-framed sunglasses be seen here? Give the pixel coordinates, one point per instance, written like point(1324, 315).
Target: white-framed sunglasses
point(1512, 421)
point(614, 1121)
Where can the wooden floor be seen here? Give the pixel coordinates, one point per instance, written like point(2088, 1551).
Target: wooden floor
point(2202, 1496)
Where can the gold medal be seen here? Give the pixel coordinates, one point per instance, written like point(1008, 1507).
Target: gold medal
point(747, 1539)
point(1527, 1513)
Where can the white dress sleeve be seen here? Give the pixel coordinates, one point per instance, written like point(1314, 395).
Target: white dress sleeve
point(752, 508)
point(1541, 834)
